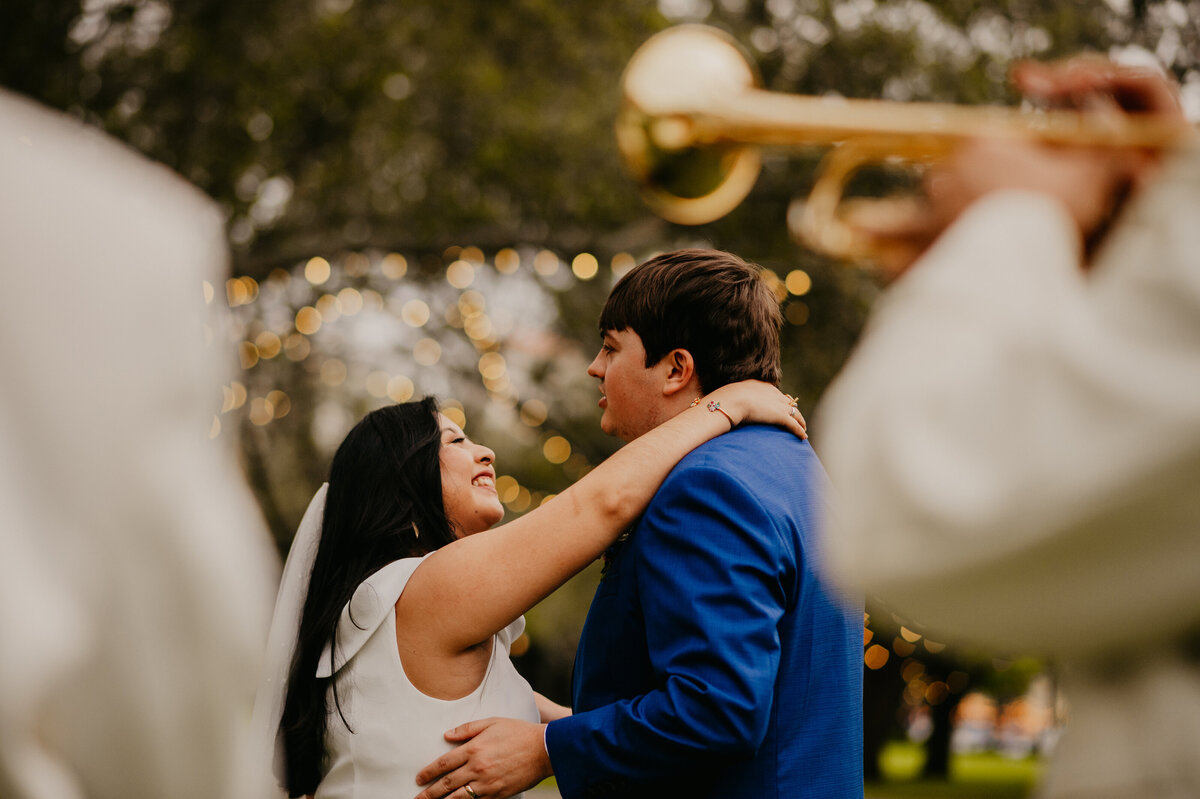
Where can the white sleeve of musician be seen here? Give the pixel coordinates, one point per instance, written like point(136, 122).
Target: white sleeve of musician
point(1009, 441)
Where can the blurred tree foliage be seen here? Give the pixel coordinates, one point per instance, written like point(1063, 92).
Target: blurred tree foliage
point(397, 141)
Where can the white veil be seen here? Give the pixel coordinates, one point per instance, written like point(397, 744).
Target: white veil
point(281, 641)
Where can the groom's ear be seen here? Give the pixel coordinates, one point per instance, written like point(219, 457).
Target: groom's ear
point(680, 373)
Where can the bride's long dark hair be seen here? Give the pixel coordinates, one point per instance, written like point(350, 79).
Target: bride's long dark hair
point(384, 503)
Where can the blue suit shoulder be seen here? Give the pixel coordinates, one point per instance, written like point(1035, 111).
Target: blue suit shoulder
point(753, 452)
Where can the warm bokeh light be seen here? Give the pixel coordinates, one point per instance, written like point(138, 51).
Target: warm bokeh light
point(534, 412)
point(937, 692)
point(492, 365)
point(240, 291)
point(393, 266)
point(472, 255)
point(622, 262)
point(377, 383)
point(400, 389)
point(268, 344)
point(522, 500)
point(507, 261)
point(372, 299)
point(497, 385)
point(415, 313)
point(585, 266)
point(427, 352)
point(911, 636)
point(215, 430)
point(281, 403)
point(296, 347)
point(261, 412)
point(478, 326)
point(233, 396)
point(914, 692)
point(775, 284)
point(876, 657)
point(317, 270)
point(209, 292)
point(472, 302)
point(902, 648)
point(247, 355)
point(933, 647)
point(329, 308)
point(454, 412)
point(356, 264)
point(556, 449)
point(545, 263)
point(796, 313)
point(798, 282)
point(308, 320)
point(350, 301)
point(460, 274)
point(507, 488)
point(333, 372)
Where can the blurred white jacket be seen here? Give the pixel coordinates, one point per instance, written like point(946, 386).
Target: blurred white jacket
point(135, 575)
point(1015, 447)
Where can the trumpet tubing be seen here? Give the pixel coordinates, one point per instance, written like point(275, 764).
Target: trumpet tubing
point(694, 116)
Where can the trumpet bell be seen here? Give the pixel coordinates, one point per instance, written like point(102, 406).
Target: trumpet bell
point(675, 75)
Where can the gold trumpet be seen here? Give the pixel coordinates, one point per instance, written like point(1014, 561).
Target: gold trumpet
point(693, 117)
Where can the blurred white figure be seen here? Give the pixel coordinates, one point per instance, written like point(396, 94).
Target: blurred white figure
point(1016, 448)
point(135, 576)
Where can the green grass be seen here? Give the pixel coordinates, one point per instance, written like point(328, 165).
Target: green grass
point(978, 776)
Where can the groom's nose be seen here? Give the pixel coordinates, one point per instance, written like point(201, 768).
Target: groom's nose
point(595, 368)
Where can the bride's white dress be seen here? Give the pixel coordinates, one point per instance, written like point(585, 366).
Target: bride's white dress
point(397, 730)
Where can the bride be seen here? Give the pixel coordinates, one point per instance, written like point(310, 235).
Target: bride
point(394, 618)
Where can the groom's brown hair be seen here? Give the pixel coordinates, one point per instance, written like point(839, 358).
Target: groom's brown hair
point(708, 302)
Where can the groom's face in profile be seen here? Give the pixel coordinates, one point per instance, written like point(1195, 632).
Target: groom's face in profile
point(632, 393)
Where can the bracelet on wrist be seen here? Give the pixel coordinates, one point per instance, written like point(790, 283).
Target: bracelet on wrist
point(714, 406)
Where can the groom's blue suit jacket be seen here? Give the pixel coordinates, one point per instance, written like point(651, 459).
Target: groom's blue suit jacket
point(715, 661)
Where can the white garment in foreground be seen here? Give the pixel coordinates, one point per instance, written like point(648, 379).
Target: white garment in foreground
point(135, 576)
point(397, 729)
point(1016, 451)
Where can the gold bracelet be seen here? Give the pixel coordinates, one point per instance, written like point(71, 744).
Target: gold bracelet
point(713, 405)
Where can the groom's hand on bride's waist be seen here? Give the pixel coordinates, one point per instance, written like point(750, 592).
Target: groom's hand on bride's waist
point(497, 758)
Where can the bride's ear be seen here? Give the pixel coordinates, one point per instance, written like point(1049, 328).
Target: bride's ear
point(680, 374)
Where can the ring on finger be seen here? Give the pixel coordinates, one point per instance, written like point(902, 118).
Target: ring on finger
point(470, 791)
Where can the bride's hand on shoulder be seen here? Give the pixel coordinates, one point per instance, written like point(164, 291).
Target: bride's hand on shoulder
point(753, 401)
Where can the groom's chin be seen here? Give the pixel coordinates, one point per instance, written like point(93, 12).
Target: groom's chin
point(607, 426)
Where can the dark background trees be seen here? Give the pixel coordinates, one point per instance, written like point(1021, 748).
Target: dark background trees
point(425, 197)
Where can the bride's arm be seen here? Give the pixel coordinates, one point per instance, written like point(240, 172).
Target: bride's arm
point(549, 710)
point(470, 589)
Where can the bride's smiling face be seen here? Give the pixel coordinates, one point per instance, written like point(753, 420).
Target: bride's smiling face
point(468, 481)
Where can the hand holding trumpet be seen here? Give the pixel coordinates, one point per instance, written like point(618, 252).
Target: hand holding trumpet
point(1091, 182)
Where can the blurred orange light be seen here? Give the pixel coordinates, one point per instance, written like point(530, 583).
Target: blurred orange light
point(507, 261)
point(876, 657)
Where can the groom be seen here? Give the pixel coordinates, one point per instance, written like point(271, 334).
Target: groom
point(715, 661)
